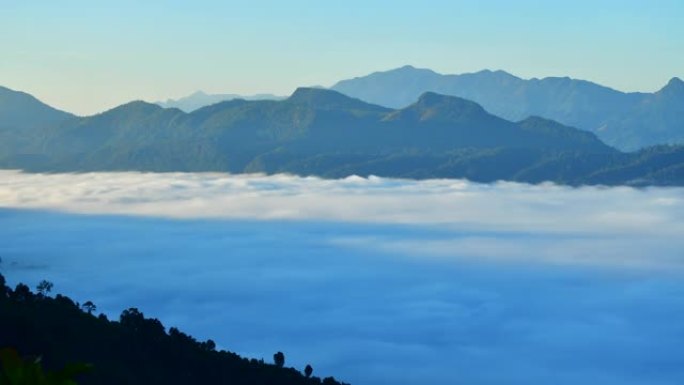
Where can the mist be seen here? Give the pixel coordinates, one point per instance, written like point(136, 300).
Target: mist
point(372, 280)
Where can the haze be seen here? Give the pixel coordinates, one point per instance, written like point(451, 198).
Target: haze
point(85, 57)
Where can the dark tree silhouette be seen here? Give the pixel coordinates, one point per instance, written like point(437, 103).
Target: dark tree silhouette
point(89, 306)
point(22, 293)
point(44, 287)
point(279, 359)
point(308, 371)
point(15, 370)
point(132, 318)
point(210, 345)
point(3, 289)
point(134, 351)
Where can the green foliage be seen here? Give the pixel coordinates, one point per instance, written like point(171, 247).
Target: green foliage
point(44, 287)
point(136, 350)
point(18, 109)
point(324, 133)
point(628, 121)
point(279, 359)
point(89, 307)
point(17, 371)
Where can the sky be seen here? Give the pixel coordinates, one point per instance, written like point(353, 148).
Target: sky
point(88, 56)
point(372, 280)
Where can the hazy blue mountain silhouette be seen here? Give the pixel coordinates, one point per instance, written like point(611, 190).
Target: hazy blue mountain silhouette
point(23, 121)
point(200, 99)
point(625, 120)
point(325, 133)
point(21, 109)
point(656, 118)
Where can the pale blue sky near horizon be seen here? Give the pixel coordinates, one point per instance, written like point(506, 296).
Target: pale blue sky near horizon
point(85, 56)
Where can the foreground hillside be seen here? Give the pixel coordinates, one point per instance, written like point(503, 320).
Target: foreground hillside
point(325, 133)
point(135, 350)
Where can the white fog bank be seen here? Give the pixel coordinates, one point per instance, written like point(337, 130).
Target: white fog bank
point(593, 225)
point(375, 281)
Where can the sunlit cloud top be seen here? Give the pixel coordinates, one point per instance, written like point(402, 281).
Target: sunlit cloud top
point(508, 221)
point(380, 200)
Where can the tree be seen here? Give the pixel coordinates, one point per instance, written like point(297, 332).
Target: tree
point(209, 345)
point(132, 319)
point(142, 352)
point(279, 359)
point(22, 293)
point(3, 288)
point(89, 306)
point(44, 287)
point(308, 371)
point(14, 370)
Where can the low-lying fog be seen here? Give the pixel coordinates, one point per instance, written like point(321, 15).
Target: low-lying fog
point(374, 281)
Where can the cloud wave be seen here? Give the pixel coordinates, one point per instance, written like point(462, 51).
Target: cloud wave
point(372, 280)
point(508, 206)
point(502, 221)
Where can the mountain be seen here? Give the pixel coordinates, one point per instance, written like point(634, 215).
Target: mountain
point(24, 121)
point(625, 120)
point(656, 118)
point(325, 133)
point(200, 99)
point(19, 109)
point(133, 350)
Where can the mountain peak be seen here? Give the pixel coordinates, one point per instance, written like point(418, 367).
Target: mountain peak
point(676, 80)
point(317, 96)
point(197, 93)
point(406, 67)
point(432, 106)
point(325, 98)
point(408, 70)
point(140, 104)
point(499, 73)
point(674, 86)
point(133, 107)
point(307, 92)
point(434, 100)
point(19, 108)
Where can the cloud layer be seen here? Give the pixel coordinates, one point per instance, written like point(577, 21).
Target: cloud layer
point(593, 225)
point(372, 280)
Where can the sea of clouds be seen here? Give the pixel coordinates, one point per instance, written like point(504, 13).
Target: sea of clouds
point(372, 280)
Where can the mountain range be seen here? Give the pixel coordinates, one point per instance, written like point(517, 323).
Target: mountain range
point(200, 99)
point(627, 121)
point(325, 133)
point(19, 109)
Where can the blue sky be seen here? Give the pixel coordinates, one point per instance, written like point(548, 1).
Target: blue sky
point(86, 56)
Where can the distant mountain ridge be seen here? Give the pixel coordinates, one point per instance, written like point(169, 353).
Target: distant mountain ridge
point(200, 99)
point(625, 120)
point(20, 108)
point(328, 134)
